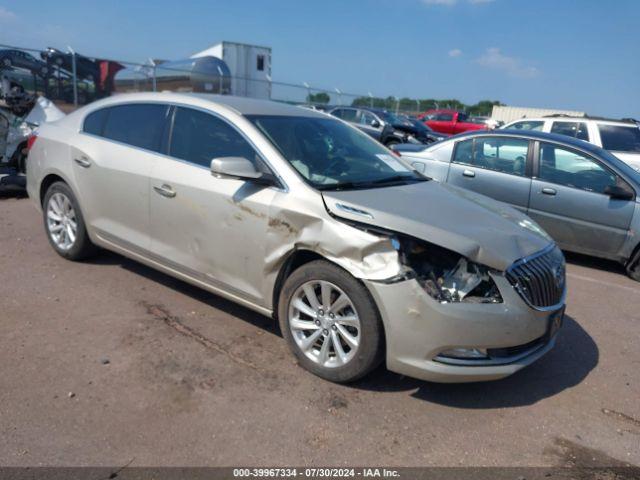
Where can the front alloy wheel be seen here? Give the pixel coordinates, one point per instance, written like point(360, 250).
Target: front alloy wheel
point(324, 323)
point(330, 322)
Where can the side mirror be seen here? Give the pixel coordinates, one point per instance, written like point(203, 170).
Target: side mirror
point(618, 192)
point(240, 168)
point(375, 123)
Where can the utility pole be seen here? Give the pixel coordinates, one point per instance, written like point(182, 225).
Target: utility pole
point(74, 73)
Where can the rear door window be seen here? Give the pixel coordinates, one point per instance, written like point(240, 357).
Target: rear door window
point(620, 138)
point(528, 125)
point(366, 118)
point(349, 115)
point(571, 129)
point(199, 137)
point(464, 152)
point(506, 155)
point(139, 125)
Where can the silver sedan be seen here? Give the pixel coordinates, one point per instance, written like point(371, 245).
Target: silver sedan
point(300, 216)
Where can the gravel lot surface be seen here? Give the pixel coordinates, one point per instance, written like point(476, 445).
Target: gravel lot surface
point(109, 362)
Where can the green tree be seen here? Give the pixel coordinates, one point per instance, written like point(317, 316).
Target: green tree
point(320, 97)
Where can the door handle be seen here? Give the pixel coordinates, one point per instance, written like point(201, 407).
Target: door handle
point(165, 190)
point(84, 162)
point(548, 191)
point(469, 173)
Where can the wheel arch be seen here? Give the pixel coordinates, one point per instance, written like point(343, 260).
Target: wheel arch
point(46, 182)
point(294, 260)
point(633, 261)
point(297, 259)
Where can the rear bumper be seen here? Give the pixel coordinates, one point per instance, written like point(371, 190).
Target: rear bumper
point(418, 329)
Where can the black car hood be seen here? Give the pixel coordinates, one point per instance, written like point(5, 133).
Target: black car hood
point(481, 229)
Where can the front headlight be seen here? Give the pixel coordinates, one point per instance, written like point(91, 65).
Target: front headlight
point(445, 275)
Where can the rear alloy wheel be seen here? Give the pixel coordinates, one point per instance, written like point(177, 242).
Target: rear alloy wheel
point(64, 223)
point(331, 323)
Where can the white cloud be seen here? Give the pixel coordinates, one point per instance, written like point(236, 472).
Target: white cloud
point(456, 52)
point(494, 58)
point(6, 15)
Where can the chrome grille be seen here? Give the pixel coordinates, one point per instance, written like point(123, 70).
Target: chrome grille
point(540, 278)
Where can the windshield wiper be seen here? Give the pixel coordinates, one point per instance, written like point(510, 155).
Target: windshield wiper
point(387, 181)
point(396, 179)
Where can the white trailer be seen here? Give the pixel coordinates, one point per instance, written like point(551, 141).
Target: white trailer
point(508, 114)
point(250, 67)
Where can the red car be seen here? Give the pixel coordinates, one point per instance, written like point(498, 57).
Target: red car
point(449, 121)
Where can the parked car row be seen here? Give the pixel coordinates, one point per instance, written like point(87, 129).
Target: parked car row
point(450, 122)
point(582, 195)
point(298, 215)
point(622, 138)
point(386, 127)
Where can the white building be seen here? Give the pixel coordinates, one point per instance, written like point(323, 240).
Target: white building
point(250, 67)
point(507, 114)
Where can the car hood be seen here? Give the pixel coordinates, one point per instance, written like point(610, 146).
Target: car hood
point(475, 226)
point(630, 158)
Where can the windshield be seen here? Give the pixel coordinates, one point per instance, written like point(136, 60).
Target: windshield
point(331, 155)
point(389, 117)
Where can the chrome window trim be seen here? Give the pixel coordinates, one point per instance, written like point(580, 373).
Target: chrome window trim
point(283, 185)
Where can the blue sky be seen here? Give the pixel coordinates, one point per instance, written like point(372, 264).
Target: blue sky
point(574, 54)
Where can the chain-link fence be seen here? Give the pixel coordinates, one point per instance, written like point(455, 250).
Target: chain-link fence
point(71, 79)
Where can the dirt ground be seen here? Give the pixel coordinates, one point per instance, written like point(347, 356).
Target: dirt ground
point(109, 362)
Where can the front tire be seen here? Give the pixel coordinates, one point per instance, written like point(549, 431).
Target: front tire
point(633, 267)
point(63, 222)
point(330, 322)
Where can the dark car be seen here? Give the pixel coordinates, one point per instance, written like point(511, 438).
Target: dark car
point(85, 67)
point(582, 195)
point(421, 131)
point(18, 59)
point(383, 125)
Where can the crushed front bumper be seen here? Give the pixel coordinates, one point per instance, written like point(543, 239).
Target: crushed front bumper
point(419, 328)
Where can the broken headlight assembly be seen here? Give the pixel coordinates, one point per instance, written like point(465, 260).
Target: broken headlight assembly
point(446, 276)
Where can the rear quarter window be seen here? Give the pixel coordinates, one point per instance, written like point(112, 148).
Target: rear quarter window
point(619, 138)
point(94, 122)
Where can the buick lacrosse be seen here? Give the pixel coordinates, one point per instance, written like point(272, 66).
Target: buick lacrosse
point(297, 215)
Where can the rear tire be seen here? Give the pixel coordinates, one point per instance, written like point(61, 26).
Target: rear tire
point(337, 333)
point(64, 224)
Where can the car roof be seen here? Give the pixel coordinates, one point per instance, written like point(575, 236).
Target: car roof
point(531, 134)
point(568, 118)
point(241, 105)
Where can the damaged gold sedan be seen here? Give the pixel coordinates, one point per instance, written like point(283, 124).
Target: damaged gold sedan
point(300, 216)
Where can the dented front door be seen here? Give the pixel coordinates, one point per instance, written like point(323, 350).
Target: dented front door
point(209, 228)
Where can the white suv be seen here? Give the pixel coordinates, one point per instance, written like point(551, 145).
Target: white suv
point(622, 138)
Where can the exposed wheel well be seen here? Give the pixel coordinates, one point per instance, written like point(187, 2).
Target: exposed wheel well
point(46, 183)
point(634, 258)
point(294, 261)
